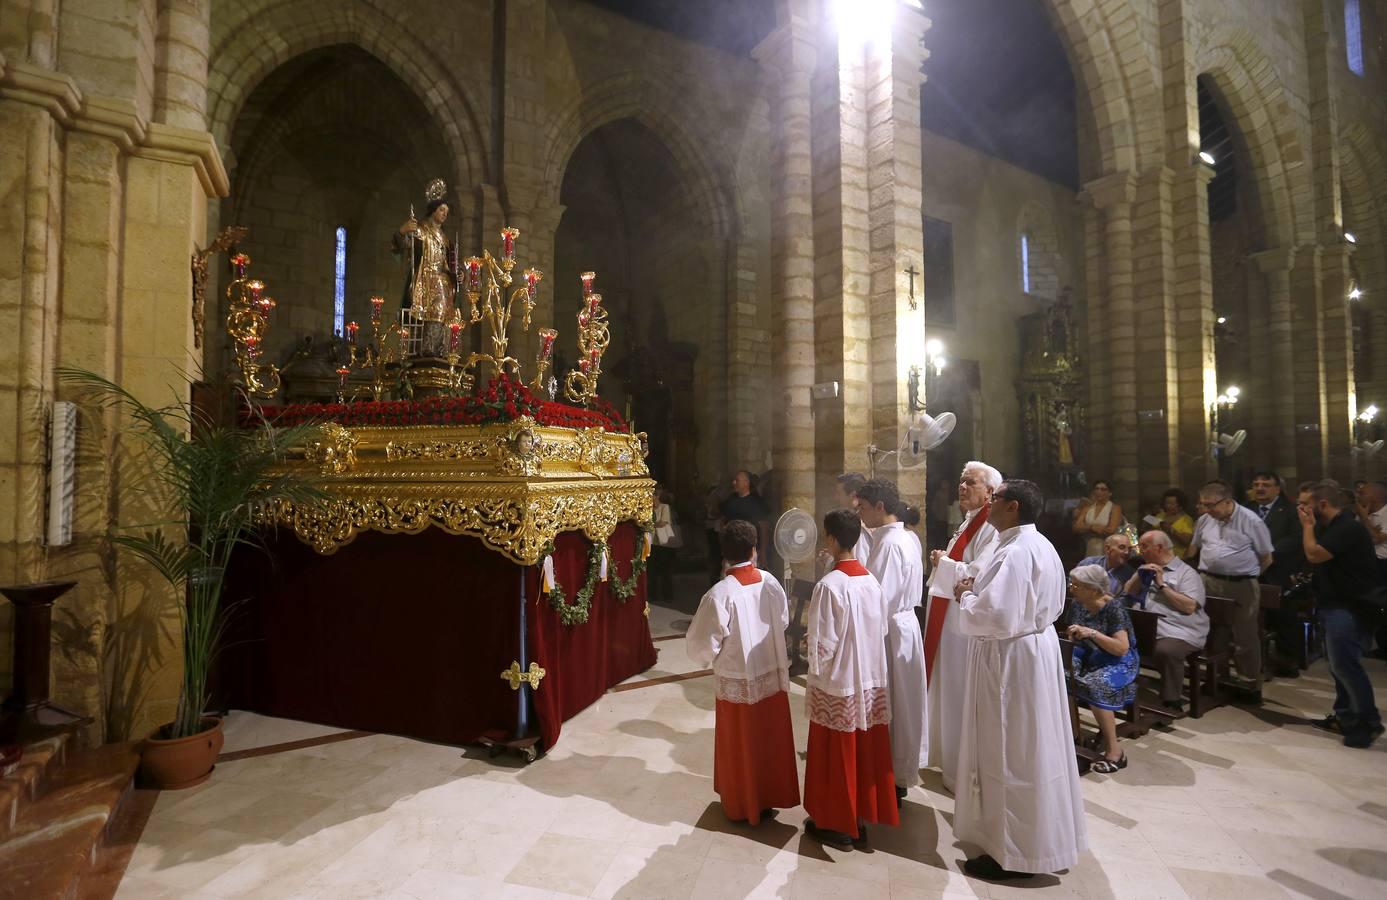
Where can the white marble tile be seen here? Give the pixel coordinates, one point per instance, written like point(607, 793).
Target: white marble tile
point(559, 862)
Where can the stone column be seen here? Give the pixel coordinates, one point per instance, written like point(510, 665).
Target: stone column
point(1195, 361)
point(1274, 404)
point(789, 57)
point(1307, 326)
point(1156, 337)
point(896, 236)
point(180, 63)
point(1339, 381)
point(1114, 195)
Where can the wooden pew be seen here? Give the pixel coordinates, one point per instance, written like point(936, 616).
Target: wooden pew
point(1144, 623)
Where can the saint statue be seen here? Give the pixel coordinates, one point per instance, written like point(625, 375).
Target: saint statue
point(433, 274)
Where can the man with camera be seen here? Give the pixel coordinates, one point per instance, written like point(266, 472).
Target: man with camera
point(1168, 586)
point(1345, 581)
point(1117, 559)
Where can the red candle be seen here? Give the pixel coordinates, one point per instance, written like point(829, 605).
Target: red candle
point(455, 328)
point(351, 331)
point(583, 319)
point(594, 301)
point(255, 287)
point(252, 346)
point(240, 261)
point(342, 373)
point(266, 305)
point(546, 342)
point(594, 355)
point(474, 274)
point(583, 364)
point(587, 278)
point(532, 278)
point(376, 304)
point(508, 236)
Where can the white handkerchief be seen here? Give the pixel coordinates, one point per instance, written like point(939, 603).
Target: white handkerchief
point(941, 583)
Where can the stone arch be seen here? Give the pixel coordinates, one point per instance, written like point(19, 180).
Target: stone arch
point(247, 49)
point(633, 97)
point(1046, 263)
point(1246, 83)
point(1366, 213)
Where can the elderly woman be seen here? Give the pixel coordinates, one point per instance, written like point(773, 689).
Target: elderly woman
point(1096, 517)
point(1105, 657)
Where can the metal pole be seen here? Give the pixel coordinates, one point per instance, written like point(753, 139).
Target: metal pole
point(522, 718)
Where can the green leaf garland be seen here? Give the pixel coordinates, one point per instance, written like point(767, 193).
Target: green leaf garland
point(578, 612)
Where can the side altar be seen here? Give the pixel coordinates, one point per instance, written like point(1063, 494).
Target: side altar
point(473, 570)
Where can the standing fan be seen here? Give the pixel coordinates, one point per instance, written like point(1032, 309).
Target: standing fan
point(923, 435)
point(796, 540)
point(1368, 448)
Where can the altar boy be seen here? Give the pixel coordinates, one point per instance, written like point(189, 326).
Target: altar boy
point(848, 780)
point(740, 630)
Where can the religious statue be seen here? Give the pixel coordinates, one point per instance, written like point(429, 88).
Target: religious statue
point(433, 276)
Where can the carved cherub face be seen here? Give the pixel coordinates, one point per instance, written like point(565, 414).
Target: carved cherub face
point(525, 443)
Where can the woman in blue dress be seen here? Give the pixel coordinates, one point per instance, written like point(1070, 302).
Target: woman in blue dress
point(1105, 657)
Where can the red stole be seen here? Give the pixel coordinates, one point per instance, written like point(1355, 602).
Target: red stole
point(939, 605)
point(851, 567)
point(746, 575)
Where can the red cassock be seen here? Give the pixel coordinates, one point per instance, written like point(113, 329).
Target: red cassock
point(754, 758)
point(848, 776)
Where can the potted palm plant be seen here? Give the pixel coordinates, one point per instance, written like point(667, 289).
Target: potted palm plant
point(210, 481)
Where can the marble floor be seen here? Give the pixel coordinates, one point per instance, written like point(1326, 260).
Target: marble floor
point(1240, 803)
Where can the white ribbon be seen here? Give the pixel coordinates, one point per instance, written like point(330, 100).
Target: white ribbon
point(548, 574)
point(602, 573)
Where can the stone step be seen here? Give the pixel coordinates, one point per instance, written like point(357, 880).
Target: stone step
point(55, 841)
point(29, 778)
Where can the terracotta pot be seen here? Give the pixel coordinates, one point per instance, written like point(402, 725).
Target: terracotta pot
point(182, 762)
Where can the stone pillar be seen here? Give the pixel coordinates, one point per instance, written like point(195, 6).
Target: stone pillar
point(1307, 327)
point(1274, 410)
point(1114, 196)
point(1196, 369)
point(1097, 453)
point(1156, 336)
point(789, 57)
point(1339, 382)
point(896, 237)
point(180, 63)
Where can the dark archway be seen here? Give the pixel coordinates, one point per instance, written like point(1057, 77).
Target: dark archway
point(631, 216)
point(332, 139)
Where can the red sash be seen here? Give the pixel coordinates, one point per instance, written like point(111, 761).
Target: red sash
point(939, 605)
point(851, 567)
point(746, 575)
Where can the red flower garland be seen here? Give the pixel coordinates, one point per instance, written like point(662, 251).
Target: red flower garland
point(503, 400)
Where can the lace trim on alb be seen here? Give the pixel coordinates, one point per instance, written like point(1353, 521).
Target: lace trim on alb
point(749, 690)
point(858, 711)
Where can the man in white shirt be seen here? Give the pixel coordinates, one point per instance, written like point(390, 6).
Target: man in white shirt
point(1017, 786)
point(946, 646)
point(1372, 512)
point(739, 630)
point(895, 562)
point(847, 778)
point(1167, 586)
point(1233, 546)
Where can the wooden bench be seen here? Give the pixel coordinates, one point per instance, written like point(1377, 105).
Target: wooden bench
point(1144, 624)
point(1204, 669)
point(1083, 756)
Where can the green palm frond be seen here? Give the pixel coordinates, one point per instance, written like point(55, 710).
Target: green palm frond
point(214, 479)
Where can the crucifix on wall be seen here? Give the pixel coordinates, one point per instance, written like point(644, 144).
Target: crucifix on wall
point(912, 272)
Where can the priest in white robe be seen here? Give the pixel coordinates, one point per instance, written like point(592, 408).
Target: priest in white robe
point(894, 560)
point(739, 629)
point(946, 646)
point(847, 779)
point(1017, 785)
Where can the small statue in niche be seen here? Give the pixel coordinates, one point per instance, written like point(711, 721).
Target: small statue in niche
point(433, 279)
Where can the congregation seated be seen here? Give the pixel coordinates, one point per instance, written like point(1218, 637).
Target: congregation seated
point(1166, 585)
point(1116, 560)
point(1105, 657)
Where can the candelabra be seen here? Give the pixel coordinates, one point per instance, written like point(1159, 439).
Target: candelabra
point(497, 309)
point(376, 355)
point(248, 322)
point(543, 360)
point(581, 384)
point(460, 381)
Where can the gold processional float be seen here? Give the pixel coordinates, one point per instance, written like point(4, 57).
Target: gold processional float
point(485, 458)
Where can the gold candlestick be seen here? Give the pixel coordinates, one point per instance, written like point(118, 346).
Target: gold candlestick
point(248, 323)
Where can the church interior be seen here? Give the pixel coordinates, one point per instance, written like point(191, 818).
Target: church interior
point(365, 351)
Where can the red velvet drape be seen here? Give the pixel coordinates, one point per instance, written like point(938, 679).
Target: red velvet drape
point(583, 661)
point(408, 634)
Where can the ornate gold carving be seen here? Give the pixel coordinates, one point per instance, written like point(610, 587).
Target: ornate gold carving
point(226, 239)
point(335, 452)
point(515, 678)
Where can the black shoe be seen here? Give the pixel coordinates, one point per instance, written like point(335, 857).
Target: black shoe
point(825, 836)
point(768, 813)
point(1175, 706)
point(1361, 738)
point(1329, 723)
point(860, 842)
point(988, 869)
